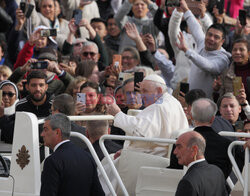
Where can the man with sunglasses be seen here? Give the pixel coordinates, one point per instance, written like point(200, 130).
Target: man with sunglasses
point(90, 51)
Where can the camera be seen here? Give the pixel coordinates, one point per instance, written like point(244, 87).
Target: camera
point(48, 32)
point(39, 65)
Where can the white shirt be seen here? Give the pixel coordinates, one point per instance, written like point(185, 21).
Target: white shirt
point(59, 144)
point(194, 162)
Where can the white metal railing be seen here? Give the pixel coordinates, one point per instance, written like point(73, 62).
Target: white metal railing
point(98, 162)
point(244, 182)
point(86, 118)
point(130, 138)
point(89, 145)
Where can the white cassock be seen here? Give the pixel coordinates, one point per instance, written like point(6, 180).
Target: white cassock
point(163, 119)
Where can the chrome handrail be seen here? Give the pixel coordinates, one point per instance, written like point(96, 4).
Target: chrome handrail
point(130, 138)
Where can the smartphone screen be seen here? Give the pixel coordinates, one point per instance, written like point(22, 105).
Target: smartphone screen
point(81, 97)
point(117, 61)
point(243, 17)
point(138, 78)
point(237, 81)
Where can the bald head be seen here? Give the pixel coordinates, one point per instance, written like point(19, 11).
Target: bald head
point(203, 111)
point(190, 146)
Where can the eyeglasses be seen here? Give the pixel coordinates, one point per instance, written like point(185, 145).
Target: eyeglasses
point(86, 54)
point(9, 94)
point(127, 57)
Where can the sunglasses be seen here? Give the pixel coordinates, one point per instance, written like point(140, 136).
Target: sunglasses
point(86, 54)
point(9, 94)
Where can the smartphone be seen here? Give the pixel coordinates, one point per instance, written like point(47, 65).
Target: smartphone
point(23, 6)
point(138, 78)
point(1, 96)
point(48, 32)
point(29, 10)
point(237, 81)
point(117, 61)
point(81, 97)
point(39, 65)
point(220, 6)
point(184, 87)
point(65, 59)
point(77, 16)
point(243, 17)
point(145, 29)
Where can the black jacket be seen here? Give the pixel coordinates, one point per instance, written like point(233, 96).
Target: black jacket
point(70, 171)
point(202, 179)
point(40, 111)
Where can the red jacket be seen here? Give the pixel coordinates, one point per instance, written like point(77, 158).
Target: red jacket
point(24, 55)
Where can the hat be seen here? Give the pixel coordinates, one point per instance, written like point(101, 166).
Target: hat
point(155, 78)
point(44, 27)
point(7, 82)
point(47, 53)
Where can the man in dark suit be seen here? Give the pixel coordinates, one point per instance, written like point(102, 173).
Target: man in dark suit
point(64, 103)
point(96, 129)
point(201, 179)
point(69, 171)
point(203, 114)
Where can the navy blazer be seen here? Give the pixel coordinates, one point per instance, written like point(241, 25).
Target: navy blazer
point(70, 171)
point(202, 179)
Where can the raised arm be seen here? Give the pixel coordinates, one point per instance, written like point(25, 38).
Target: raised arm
point(193, 24)
point(121, 17)
point(206, 21)
point(214, 65)
point(174, 29)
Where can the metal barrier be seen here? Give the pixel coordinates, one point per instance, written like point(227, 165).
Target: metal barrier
point(244, 182)
point(130, 138)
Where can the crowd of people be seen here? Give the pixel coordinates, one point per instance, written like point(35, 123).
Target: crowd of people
point(53, 51)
